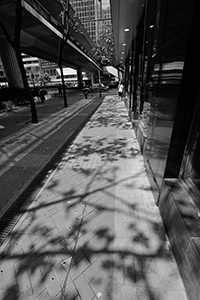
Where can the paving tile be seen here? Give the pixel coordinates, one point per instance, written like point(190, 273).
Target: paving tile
point(94, 231)
point(102, 285)
point(79, 268)
point(173, 295)
point(23, 280)
point(85, 238)
point(8, 278)
point(123, 292)
point(43, 296)
point(142, 293)
point(52, 284)
point(71, 291)
point(37, 283)
point(26, 244)
point(59, 223)
point(26, 297)
point(93, 270)
point(83, 288)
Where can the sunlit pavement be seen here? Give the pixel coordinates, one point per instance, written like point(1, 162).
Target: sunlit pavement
point(93, 231)
point(26, 149)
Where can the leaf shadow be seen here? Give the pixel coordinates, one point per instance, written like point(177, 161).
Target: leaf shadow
point(72, 225)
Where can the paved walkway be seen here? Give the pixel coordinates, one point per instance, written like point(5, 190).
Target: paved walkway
point(26, 149)
point(93, 230)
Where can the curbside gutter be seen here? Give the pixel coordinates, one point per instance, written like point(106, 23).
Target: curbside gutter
point(49, 153)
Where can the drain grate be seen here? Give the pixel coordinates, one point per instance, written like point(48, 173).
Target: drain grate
point(8, 222)
point(12, 216)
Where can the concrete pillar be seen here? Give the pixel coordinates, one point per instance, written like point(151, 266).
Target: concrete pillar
point(92, 78)
point(79, 77)
point(10, 64)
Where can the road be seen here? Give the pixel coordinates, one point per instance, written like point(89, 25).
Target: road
point(18, 119)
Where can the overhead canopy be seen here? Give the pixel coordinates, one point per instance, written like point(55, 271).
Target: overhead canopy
point(111, 70)
point(125, 16)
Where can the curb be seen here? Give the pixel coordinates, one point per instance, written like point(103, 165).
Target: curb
point(11, 212)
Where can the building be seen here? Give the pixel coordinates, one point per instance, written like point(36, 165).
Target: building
point(48, 67)
point(38, 65)
point(156, 41)
point(30, 62)
point(95, 15)
point(70, 77)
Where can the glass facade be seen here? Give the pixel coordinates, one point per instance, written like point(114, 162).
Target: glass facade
point(164, 105)
point(86, 12)
point(160, 50)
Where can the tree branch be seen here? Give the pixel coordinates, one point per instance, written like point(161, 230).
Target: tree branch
point(18, 21)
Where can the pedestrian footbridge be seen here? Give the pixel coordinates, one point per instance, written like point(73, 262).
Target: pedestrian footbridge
point(42, 32)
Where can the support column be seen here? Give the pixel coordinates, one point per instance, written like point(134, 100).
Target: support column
point(92, 78)
point(10, 64)
point(79, 77)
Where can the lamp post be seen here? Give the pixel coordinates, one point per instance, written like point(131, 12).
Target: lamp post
point(99, 83)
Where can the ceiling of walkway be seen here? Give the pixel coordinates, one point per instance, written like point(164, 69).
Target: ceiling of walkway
point(125, 18)
point(40, 37)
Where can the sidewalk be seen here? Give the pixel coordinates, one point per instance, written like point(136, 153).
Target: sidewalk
point(92, 230)
point(31, 148)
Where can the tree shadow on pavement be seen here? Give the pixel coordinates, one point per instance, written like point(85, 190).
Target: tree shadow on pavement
point(91, 232)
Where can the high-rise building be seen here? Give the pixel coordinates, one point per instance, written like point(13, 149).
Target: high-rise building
point(95, 15)
point(30, 62)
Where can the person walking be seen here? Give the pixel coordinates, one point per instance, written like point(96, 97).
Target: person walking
point(86, 91)
point(42, 94)
point(120, 90)
point(60, 91)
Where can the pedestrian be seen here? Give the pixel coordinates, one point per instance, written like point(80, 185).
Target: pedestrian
point(86, 91)
point(120, 90)
point(42, 94)
point(60, 91)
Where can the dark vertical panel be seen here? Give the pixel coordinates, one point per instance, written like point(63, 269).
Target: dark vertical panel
point(79, 77)
point(187, 98)
point(172, 25)
point(158, 131)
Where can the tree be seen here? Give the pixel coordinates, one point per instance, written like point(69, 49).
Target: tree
point(15, 44)
point(43, 77)
point(104, 50)
point(62, 42)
